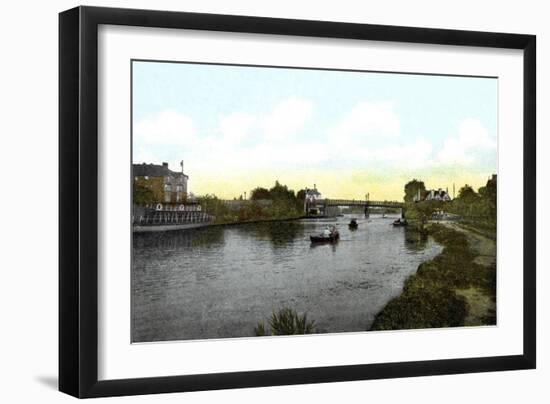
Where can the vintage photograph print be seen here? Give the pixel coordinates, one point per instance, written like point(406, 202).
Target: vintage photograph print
point(272, 201)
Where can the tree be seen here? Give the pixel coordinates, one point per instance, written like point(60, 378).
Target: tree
point(421, 212)
point(488, 202)
point(259, 193)
point(489, 191)
point(301, 195)
point(412, 188)
point(277, 192)
point(281, 192)
point(467, 194)
point(142, 195)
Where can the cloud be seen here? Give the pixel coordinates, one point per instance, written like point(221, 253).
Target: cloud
point(238, 141)
point(471, 143)
point(367, 120)
point(409, 155)
point(236, 127)
point(369, 138)
point(169, 128)
point(287, 118)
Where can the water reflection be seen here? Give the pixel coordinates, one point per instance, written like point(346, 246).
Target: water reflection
point(414, 239)
point(180, 239)
point(280, 234)
point(332, 246)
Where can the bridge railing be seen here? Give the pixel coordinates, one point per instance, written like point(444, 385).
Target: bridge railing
point(358, 202)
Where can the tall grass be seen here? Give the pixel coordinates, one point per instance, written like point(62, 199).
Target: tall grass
point(286, 321)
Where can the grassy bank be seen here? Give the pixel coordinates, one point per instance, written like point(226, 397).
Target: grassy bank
point(485, 230)
point(451, 290)
point(251, 210)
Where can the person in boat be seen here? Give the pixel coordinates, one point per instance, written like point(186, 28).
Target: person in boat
point(327, 232)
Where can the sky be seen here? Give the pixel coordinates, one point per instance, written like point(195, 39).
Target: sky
point(350, 133)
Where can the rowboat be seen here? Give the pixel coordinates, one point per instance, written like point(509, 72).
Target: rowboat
point(321, 238)
point(400, 222)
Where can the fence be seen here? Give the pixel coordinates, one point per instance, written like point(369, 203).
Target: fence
point(163, 217)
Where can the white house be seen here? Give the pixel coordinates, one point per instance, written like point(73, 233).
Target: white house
point(313, 194)
point(433, 195)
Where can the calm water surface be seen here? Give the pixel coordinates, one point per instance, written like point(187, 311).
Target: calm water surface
point(218, 282)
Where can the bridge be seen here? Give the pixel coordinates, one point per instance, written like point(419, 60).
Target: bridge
point(355, 202)
point(321, 206)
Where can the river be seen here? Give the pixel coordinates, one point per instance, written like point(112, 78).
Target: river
point(219, 281)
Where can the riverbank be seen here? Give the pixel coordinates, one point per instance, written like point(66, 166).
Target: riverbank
point(456, 288)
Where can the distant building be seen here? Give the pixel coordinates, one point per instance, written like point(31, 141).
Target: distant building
point(310, 202)
point(432, 195)
point(313, 194)
point(169, 187)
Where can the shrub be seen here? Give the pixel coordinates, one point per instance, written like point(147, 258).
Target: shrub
point(428, 307)
point(428, 299)
point(286, 321)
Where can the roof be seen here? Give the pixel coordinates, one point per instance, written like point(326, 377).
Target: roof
point(437, 194)
point(154, 170)
point(312, 192)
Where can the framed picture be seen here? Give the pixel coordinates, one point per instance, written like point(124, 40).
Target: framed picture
point(251, 201)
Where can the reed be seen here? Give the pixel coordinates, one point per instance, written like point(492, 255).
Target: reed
point(286, 321)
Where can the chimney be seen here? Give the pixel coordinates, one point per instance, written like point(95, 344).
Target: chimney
point(165, 164)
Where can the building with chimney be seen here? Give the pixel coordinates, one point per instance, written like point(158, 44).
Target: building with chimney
point(169, 188)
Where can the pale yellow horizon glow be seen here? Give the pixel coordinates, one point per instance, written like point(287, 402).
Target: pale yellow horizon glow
point(341, 184)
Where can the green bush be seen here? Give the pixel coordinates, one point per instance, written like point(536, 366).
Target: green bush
point(284, 205)
point(428, 307)
point(428, 299)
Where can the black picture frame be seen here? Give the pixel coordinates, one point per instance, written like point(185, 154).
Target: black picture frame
point(78, 201)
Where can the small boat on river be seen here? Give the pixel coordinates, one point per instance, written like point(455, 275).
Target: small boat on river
point(353, 224)
point(328, 236)
point(400, 222)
